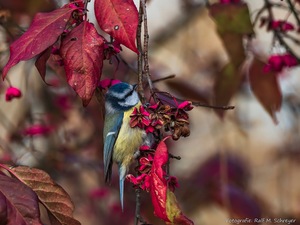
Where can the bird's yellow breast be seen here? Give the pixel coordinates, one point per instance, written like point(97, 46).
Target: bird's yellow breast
point(128, 142)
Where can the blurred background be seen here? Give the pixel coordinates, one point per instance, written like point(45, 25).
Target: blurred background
point(243, 165)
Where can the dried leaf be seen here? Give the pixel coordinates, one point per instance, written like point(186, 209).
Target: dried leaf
point(18, 203)
point(232, 18)
point(30, 7)
point(233, 21)
point(82, 53)
point(37, 39)
point(55, 199)
point(266, 88)
point(118, 18)
point(174, 212)
point(226, 84)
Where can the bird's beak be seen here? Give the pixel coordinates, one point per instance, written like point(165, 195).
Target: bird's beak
point(135, 86)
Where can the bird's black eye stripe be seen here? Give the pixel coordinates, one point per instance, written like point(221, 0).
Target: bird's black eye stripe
point(128, 94)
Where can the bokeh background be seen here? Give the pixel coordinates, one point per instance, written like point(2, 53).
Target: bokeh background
point(241, 166)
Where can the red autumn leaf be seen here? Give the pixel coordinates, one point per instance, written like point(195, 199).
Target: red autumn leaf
point(118, 18)
point(37, 39)
point(18, 203)
point(163, 199)
point(266, 88)
point(55, 199)
point(82, 53)
point(158, 189)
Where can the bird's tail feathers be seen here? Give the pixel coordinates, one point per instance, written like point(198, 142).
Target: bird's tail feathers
point(122, 174)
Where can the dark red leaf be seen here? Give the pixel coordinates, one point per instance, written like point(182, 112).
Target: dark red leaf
point(41, 61)
point(168, 99)
point(195, 93)
point(18, 203)
point(82, 53)
point(241, 204)
point(266, 88)
point(43, 32)
point(118, 18)
point(210, 172)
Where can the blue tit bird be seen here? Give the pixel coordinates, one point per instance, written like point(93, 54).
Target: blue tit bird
point(120, 140)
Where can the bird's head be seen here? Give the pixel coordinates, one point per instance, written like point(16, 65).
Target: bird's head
point(121, 97)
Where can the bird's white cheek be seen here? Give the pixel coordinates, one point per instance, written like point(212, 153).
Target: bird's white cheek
point(132, 100)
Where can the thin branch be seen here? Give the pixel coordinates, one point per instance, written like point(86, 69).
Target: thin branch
point(226, 107)
point(140, 88)
point(146, 45)
point(137, 206)
point(86, 2)
point(293, 39)
point(276, 32)
point(258, 15)
point(164, 78)
point(292, 9)
point(174, 157)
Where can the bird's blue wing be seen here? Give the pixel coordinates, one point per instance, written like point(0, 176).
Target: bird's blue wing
point(112, 126)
